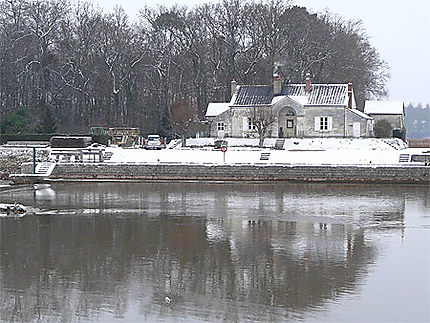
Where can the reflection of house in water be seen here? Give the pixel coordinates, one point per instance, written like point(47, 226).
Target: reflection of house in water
point(296, 265)
point(209, 247)
point(311, 250)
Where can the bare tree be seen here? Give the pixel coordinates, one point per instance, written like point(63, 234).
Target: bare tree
point(262, 118)
point(183, 117)
point(96, 68)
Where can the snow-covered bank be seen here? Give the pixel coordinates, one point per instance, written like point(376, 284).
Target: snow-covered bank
point(312, 152)
point(12, 158)
point(296, 152)
point(310, 143)
point(361, 161)
point(264, 156)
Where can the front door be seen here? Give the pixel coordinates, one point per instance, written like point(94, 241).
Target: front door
point(287, 123)
point(356, 129)
point(290, 127)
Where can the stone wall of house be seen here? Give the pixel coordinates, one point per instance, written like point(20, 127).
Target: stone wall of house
point(304, 121)
point(337, 115)
point(365, 125)
point(211, 172)
point(224, 118)
point(237, 122)
point(279, 109)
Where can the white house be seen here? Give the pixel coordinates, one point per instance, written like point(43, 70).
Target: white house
point(301, 110)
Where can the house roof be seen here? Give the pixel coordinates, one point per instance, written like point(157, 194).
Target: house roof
point(383, 107)
point(253, 95)
point(215, 109)
point(319, 94)
point(360, 114)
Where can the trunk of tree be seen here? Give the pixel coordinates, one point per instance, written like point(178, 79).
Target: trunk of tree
point(261, 141)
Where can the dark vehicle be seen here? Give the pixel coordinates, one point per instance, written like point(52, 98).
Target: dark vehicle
point(219, 143)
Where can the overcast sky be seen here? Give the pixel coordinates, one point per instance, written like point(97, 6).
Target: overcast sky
point(398, 29)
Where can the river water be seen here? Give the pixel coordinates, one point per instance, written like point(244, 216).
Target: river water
point(133, 252)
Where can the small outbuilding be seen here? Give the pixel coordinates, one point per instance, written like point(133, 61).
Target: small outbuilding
point(391, 111)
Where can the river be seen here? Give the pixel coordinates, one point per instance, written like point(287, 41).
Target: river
point(133, 252)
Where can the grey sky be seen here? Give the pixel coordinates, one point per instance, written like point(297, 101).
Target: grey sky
point(400, 30)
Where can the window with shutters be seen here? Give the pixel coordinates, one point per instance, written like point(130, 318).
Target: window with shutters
point(323, 123)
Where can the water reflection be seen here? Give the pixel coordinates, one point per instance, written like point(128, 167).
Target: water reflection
point(223, 252)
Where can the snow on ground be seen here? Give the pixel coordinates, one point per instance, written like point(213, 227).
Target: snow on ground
point(240, 156)
point(296, 151)
point(310, 143)
point(312, 151)
point(12, 158)
point(24, 152)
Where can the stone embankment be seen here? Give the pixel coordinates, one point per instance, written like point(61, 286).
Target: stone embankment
point(11, 159)
point(218, 172)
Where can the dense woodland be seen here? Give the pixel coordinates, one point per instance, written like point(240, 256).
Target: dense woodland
point(67, 67)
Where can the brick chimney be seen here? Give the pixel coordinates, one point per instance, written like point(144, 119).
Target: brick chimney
point(350, 94)
point(277, 85)
point(233, 86)
point(308, 82)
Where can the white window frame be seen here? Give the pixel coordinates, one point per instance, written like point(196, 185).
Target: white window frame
point(323, 124)
point(252, 126)
point(220, 126)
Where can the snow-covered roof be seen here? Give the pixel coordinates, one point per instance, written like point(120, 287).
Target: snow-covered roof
point(215, 109)
point(361, 114)
point(252, 95)
point(278, 98)
point(319, 94)
point(300, 99)
point(383, 107)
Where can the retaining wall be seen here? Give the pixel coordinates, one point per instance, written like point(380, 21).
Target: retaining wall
point(216, 172)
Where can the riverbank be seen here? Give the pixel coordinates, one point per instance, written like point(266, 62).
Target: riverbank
point(11, 159)
point(256, 173)
point(297, 160)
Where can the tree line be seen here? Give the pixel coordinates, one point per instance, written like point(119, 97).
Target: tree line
point(417, 121)
point(74, 66)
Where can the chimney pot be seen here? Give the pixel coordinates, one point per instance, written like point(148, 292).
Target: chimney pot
point(350, 95)
point(277, 85)
point(233, 86)
point(308, 82)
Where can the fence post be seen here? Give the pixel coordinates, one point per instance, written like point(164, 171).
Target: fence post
point(34, 160)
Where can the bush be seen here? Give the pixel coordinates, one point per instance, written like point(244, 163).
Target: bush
point(15, 122)
point(383, 129)
point(47, 122)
